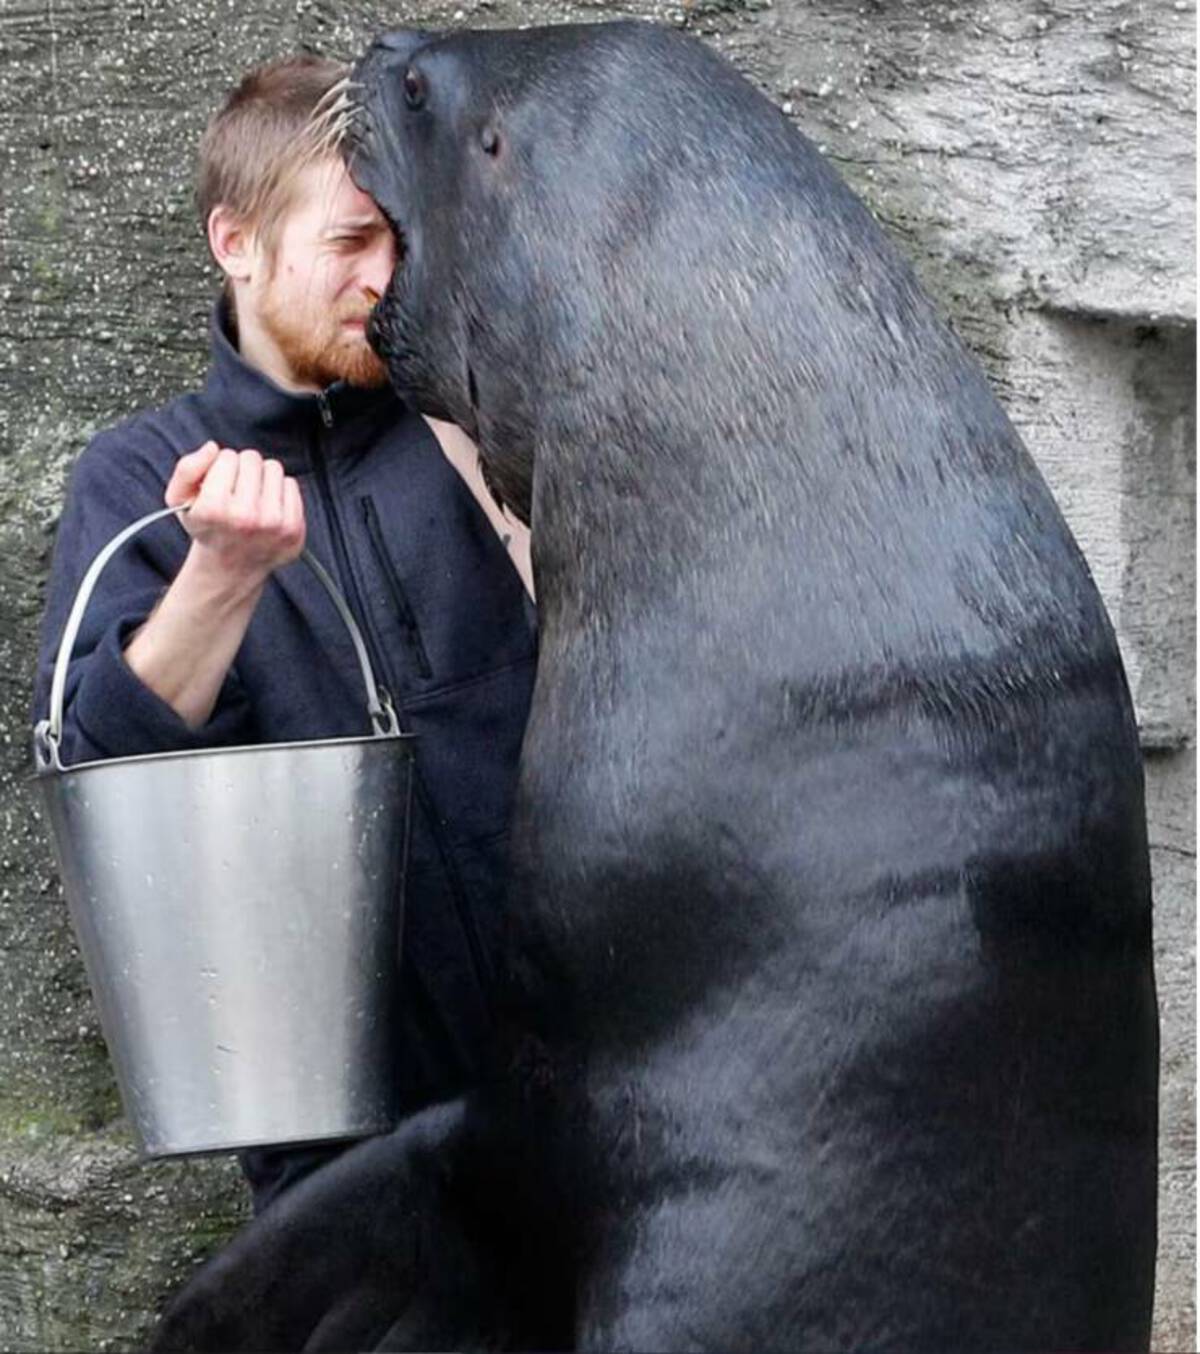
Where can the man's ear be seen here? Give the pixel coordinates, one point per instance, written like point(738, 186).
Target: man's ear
point(232, 243)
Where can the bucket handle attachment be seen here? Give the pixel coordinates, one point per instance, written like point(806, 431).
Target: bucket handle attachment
point(47, 735)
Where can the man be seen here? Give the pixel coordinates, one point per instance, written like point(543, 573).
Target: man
point(198, 636)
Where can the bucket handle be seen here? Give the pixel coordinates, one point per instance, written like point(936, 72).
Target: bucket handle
point(47, 735)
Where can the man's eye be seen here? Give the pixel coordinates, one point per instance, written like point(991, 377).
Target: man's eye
point(345, 241)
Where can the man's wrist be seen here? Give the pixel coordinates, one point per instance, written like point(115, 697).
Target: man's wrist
point(184, 649)
point(210, 582)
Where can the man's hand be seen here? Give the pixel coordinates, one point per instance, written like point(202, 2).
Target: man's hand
point(246, 519)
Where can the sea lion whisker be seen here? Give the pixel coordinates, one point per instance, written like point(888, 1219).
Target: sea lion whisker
point(330, 120)
point(331, 136)
point(344, 127)
point(332, 95)
point(324, 136)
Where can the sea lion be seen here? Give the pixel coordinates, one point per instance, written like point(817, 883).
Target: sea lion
point(834, 1022)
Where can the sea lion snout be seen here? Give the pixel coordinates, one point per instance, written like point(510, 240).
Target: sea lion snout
point(375, 155)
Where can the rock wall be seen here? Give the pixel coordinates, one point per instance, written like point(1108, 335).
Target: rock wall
point(1034, 158)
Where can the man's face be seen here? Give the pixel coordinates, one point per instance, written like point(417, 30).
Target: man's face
point(333, 257)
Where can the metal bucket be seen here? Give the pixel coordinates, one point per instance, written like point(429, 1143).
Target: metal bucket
point(239, 915)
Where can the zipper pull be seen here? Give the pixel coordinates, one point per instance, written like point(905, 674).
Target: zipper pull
point(326, 412)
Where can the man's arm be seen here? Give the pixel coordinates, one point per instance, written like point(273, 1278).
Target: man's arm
point(246, 520)
point(463, 455)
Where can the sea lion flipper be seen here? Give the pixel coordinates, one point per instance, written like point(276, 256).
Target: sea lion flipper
point(345, 1258)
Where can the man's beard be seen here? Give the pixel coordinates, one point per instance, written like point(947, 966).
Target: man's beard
point(324, 353)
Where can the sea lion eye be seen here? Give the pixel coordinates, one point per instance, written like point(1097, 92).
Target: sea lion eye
point(415, 88)
point(489, 139)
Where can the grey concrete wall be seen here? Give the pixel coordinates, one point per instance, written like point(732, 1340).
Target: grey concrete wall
point(1032, 157)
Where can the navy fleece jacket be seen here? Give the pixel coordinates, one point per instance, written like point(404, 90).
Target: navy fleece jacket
point(445, 616)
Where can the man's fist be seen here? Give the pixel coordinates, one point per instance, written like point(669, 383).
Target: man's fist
point(246, 518)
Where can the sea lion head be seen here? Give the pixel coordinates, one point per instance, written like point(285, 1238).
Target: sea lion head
point(572, 205)
point(437, 141)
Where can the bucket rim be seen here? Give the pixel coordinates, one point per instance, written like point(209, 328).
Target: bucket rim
point(51, 772)
point(386, 1124)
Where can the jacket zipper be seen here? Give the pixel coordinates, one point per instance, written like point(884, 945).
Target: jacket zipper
point(407, 617)
point(482, 969)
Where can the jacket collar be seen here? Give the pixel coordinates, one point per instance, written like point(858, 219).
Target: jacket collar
point(248, 409)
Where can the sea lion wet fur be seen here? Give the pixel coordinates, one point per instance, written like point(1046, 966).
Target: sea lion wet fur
point(833, 1021)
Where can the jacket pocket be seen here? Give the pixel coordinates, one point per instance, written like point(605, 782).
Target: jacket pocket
point(395, 587)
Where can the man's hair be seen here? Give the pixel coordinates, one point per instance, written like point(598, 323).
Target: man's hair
point(254, 145)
